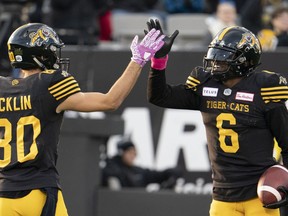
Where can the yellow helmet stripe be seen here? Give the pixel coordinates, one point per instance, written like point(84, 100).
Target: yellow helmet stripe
point(220, 37)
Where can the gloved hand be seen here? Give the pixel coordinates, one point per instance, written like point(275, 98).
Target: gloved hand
point(146, 49)
point(168, 40)
point(281, 203)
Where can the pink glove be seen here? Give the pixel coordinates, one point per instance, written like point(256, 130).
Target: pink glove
point(151, 43)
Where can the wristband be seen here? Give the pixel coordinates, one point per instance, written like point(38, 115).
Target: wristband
point(159, 63)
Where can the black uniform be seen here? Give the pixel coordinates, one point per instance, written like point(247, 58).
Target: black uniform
point(29, 128)
point(241, 123)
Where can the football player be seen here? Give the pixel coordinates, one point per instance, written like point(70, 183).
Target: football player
point(31, 112)
point(243, 110)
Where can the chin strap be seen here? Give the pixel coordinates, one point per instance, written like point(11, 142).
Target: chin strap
point(55, 66)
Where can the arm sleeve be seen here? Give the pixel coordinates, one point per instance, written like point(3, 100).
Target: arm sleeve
point(164, 95)
point(277, 118)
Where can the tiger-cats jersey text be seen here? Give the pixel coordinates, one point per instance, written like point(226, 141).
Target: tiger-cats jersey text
point(237, 125)
point(222, 105)
point(9, 104)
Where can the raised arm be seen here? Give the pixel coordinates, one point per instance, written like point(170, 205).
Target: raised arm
point(95, 101)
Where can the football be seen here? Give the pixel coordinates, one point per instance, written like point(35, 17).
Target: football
point(272, 178)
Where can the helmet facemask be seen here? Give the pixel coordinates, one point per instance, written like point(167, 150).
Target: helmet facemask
point(53, 60)
point(225, 64)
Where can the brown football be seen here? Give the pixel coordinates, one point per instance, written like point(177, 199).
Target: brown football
point(268, 183)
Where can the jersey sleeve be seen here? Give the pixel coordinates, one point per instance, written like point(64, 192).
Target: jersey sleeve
point(62, 86)
point(196, 77)
point(273, 87)
point(277, 119)
point(274, 93)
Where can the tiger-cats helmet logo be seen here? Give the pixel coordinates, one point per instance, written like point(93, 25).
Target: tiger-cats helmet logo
point(42, 35)
point(250, 41)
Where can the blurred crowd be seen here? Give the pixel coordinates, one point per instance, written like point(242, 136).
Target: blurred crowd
point(89, 22)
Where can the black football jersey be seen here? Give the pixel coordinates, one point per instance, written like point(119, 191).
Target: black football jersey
point(240, 140)
point(30, 127)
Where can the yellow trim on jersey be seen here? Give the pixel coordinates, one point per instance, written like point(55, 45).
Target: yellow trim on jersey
point(275, 99)
point(274, 94)
point(267, 71)
point(63, 88)
point(60, 92)
point(192, 82)
point(49, 71)
point(279, 97)
point(274, 88)
point(60, 83)
point(70, 92)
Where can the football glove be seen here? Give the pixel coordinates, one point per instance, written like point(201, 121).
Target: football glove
point(146, 49)
point(168, 40)
point(281, 203)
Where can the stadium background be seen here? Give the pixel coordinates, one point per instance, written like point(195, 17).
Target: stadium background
point(85, 137)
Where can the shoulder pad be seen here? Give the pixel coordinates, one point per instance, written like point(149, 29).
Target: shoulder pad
point(62, 85)
point(273, 86)
point(196, 77)
point(57, 75)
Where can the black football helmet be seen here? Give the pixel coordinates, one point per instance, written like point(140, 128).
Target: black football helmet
point(234, 52)
point(35, 45)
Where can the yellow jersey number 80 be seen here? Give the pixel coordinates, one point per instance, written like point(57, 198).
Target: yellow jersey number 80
point(7, 137)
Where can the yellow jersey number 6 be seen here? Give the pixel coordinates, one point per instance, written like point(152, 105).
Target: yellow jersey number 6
point(7, 137)
point(223, 133)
